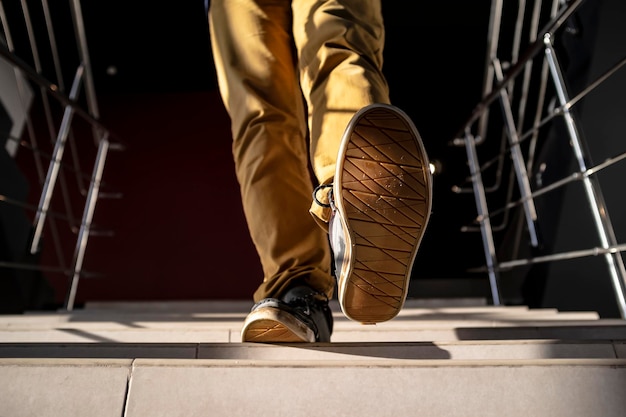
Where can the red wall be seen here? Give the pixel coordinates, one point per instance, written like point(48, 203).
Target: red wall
point(179, 230)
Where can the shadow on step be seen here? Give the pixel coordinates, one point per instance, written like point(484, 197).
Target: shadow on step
point(228, 351)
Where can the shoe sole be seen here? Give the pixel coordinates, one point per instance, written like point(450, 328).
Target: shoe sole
point(382, 190)
point(272, 325)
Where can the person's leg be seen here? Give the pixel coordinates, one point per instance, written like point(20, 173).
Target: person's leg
point(371, 152)
point(255, 64)
point(340, 45)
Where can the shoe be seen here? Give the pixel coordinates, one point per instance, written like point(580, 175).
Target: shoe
point(300, 315)
point(381, 203)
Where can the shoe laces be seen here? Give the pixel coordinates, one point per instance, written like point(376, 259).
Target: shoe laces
point(322, 187)
point(308, 300)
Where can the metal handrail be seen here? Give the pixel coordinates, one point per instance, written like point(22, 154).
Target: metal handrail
point(497, 88)
point(73, 106)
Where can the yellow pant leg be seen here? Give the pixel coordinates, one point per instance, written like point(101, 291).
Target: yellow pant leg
point(288, 72)
point(340, 45)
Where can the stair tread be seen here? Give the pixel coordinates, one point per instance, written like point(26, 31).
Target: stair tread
point(451, 350)
point(141, 387)
point(220, 322)
point(167, 359)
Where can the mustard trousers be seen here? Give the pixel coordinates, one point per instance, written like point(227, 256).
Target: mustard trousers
point(291, 74)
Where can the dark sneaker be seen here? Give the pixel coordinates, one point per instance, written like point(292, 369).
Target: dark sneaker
point(381, 203)
point(301, 315)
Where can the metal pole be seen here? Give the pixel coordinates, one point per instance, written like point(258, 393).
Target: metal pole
point(591, 185)
point(55, 165)
point(83, 234)
point(483, 217)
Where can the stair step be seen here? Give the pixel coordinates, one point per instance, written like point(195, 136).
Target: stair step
point(243, 306)
point(392, 387)
point(226, 335)
point(412, 308)
point(220, 322)
point(460, 350)
point(183, 359)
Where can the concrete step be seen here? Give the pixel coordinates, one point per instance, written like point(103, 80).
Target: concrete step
point(459, 350)
point(186, 359)
point(201, 387)
point(221, 323)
